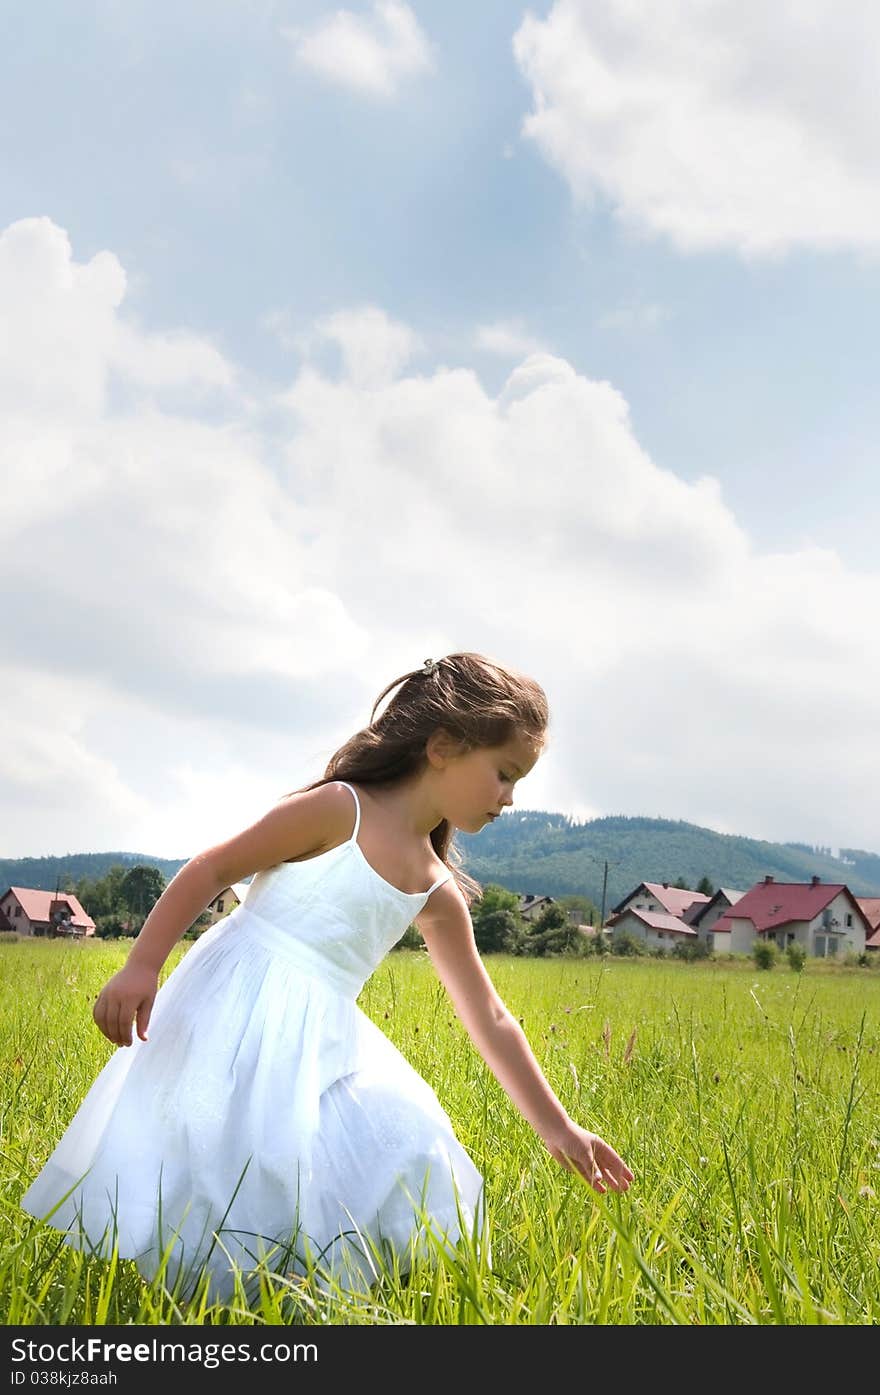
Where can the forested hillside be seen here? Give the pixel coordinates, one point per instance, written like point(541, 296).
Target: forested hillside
point(549, 854)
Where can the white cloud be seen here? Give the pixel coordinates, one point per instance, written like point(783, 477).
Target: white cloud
point(374, 348)
point(728, 124)
point(48, 770)
point(155, 554)
point(200, 611)
point(507, 339)
point(373, 55)
point(164, 360)
point(65, 341)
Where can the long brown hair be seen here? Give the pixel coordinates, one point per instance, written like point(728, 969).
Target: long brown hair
point(479, 702)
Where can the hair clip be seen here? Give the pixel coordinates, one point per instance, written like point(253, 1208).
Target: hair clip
point(431, 665)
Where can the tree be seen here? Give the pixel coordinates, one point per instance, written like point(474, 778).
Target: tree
point(140, 889)
point(681, 884)
point(496, 920)
point(110, 926)
point(101, 897)
point(554, 933)
point(587, 910)
point(705, 887)
point(497, 932)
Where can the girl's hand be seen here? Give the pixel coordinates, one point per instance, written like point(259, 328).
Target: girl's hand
point(591, 1156)
point(127, 995)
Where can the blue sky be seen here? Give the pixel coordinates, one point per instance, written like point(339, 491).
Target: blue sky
point(599, 277)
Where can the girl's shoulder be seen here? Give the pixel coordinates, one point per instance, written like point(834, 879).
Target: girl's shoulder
point(377, 830)
point(301, 824)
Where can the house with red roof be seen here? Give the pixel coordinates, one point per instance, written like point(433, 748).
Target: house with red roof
point(27, 911)
point(871, 907)
point(655, 913)
point(704, 916)
point(824, 917)
point(659, 897)
point(658, 929)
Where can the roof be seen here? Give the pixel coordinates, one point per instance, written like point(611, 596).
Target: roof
point(694, 914)
point(673, 899)
point(871, 908)
point(37, 905)
point(770, 904)
point(656, 920)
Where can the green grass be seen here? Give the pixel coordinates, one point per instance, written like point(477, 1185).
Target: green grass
point(748, 1107)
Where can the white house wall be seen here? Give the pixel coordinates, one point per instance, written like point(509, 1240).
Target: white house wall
point(643, 902)
point(654, 939)
point(849, 937)
point(20, 923)
point(741, 937)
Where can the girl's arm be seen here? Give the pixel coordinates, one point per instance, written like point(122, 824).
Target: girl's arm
point(445, 925)
point(301, 824)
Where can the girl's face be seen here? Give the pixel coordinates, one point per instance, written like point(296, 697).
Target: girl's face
point(480, 783)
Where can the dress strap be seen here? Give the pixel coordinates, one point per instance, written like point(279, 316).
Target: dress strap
point(439, 882)
point(357, 805)
point(357, 823)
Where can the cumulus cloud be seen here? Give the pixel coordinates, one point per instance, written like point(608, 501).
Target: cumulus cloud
point(156, 556)
point(203, 608)
point(717, 124)
point(507, 339)
point(372, 55)
point(374, 348)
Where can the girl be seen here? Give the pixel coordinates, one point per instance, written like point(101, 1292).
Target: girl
point(265, 1119)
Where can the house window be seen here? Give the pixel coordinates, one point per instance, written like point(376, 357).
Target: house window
point(220, 904)
point(660, 935)
point(849, 919)
point(18, 910)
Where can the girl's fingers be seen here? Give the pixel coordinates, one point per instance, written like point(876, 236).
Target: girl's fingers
point(593, 1174)
point(126, 1015)
point(617, 1174)
point(143, 1020)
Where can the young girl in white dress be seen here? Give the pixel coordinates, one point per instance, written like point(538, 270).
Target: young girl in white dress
point(264, 1121)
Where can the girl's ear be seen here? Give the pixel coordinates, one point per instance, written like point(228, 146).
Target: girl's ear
point(442, 747)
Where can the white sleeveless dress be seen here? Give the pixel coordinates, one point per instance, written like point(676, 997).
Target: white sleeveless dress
point(266, 1109)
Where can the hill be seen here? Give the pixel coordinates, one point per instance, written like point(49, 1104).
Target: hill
point(547, 853)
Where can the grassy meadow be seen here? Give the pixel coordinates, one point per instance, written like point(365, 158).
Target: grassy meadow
point(747, 1103)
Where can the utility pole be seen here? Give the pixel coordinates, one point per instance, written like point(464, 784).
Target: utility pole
point(606, 864)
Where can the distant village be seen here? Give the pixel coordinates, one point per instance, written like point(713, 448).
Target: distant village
point(824, 918)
